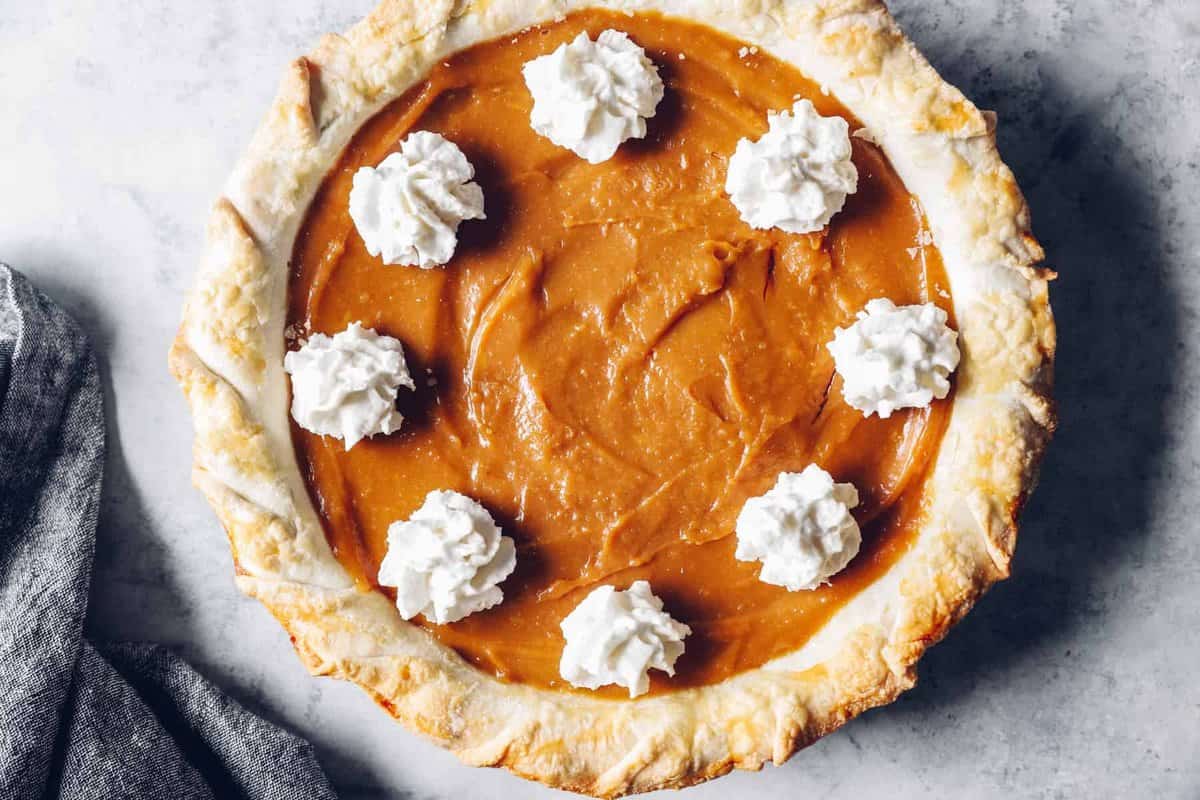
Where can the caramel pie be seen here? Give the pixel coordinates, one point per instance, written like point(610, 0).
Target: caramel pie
point(612, 363)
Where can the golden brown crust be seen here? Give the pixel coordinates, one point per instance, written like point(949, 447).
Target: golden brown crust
point(228, 354)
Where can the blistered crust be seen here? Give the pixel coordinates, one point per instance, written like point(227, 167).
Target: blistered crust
point(228, 359)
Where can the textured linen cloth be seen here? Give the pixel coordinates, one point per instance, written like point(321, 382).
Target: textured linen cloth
point(79, 720)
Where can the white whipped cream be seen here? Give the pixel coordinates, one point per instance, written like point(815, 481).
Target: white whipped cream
point(801, 530)
point(409, 207)
point(589, 97)
point(895, 357)
point(446, 560)
point(618, 637)
point(345, 385)
point(797, 176)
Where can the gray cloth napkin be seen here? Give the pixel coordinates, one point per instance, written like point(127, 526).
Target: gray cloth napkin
point(83, 720)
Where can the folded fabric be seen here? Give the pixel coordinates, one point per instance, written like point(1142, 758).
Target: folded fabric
point(79, 720)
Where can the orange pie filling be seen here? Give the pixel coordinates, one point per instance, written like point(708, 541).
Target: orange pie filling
point(614, 362)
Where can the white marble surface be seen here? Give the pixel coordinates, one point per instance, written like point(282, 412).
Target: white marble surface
point(119, 121)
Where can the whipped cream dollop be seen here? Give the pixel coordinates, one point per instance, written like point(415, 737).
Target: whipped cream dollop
point(345, 385)
point(590, 96)
point(797, 176)
point(446, 560)
point(408, 209)
point(616, 637)
point(801, 529)
point(895, 357)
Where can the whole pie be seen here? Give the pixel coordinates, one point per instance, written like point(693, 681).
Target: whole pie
point(619, 392)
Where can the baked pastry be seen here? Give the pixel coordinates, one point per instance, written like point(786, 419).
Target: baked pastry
point(602, 353)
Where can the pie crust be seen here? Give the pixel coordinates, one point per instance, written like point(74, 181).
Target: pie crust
point(228, 359)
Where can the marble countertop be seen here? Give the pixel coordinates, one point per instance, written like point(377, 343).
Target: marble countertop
point(1074, 678)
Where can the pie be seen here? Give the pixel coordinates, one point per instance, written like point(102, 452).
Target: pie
point(613, 363)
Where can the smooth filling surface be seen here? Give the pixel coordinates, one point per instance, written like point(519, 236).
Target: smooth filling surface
point(613, 362)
